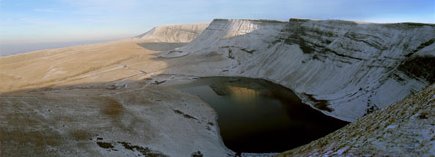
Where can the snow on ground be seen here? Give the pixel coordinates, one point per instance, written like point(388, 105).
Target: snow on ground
point(97, 120)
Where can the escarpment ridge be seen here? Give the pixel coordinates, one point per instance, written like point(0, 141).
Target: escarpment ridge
point(345, 69)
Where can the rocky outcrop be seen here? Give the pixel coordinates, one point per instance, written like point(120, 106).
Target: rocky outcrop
point(344, 69)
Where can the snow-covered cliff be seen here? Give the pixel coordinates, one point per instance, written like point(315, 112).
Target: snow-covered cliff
point(173, 33)
point(344, 69)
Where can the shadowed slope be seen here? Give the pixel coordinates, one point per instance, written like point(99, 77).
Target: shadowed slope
point(403, 129)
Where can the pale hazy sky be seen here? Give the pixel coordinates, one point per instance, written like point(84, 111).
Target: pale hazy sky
point(29, 21)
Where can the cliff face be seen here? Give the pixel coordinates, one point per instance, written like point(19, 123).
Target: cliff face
point(345, 69)
point(225, 34)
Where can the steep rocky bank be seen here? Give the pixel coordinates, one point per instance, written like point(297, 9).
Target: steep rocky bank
point(404, 129)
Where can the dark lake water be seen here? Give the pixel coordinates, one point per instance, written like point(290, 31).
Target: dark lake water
point(259, 116)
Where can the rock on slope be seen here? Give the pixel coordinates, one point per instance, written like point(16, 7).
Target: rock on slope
point(403, 129)
point(345, 69)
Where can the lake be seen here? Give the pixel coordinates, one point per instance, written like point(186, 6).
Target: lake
point(259, 116)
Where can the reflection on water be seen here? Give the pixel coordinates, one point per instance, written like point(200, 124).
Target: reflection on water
point(242, 95)
point(259, 116)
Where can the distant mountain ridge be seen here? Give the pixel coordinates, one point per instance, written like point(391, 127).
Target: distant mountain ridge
point(173, 33)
